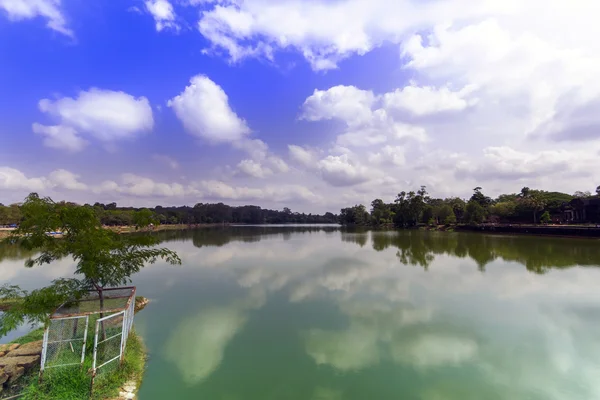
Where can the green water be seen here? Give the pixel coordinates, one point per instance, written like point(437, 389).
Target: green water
point(277, 313)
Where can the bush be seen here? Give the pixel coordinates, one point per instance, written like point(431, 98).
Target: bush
point(545, 218)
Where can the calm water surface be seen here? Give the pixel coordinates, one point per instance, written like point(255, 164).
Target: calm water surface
point(277, 313)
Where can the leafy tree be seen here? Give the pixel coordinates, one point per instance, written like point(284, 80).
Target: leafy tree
point(103, 257)
point(480, 198)
point(409, 207)
point(450, 219)
point(446, 215)
point(532, 200)
point(380, 212)
point(356, 215)
point(598, 191)
point(458, 206)
point(474, 212)
point(504, 209)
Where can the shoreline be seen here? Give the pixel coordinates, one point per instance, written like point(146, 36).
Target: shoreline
point(5, 232)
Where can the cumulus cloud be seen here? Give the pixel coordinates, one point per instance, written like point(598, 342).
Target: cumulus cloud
point(301, 155)
point(105, 115)
point(346, 103)
point(427, 100)
point(13, 179)
point(508, 164)
point(139, 186)
point(254, 169)
point(48, 9)
point(163, 14)
point(367, 116)
point(66, 179)
point(60, 137)
point(342, 171)
point(323, 32)
point(203, 108)
point(219, 190)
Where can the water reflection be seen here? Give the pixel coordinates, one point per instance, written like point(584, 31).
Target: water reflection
point(536, 253)
point(197, 344)
point(327, 313)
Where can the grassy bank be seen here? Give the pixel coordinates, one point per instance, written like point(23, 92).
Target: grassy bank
point(73, 383)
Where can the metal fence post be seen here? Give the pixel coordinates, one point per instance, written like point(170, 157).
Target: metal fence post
point(87, 320)
point(44, 350)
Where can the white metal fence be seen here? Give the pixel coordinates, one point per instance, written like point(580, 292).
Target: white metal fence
point(64, 342)
point(108, 342)
point(65, 337)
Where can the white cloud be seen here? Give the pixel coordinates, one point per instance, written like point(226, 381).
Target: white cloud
point(366, 116)
point(505, 163)
point(254, 169)
point(103, 114)
point(166, 160)
point(219, 190)
point(428, 100)
point(135, 185)
point(301, 155)
point(27, 9)
point(346, 103)
point(13, 179)
point(203, 108)
point(65, 179)
point(60, 137)
point(341, 171)
point(324, 32)
point(278, 164)
point(389, 154)
point(163, 14)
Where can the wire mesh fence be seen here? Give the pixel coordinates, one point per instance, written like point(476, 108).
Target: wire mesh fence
point(64, 342)
point(108, 342)
point(66, 335)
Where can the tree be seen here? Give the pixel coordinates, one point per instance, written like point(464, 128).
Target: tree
point(380, 212)
point(545, 218)
point(450, 219)
point(474, 213)
point(532, 200)
point(446, 215)
point(504, 209)
point(598, 191)
point(480, 198)
point(103, 257)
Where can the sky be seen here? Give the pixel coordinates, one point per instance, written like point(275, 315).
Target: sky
point(313, 105)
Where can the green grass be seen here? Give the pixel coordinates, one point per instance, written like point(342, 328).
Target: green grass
point(73, 383)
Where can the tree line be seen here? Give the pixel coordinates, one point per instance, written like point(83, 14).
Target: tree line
point(417, 207)
point(202, 213)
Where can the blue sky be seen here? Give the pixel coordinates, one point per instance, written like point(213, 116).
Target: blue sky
point(308, 104)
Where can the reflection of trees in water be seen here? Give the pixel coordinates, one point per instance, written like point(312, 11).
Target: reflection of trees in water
point(248, 234)
point(13, 252)
point(357, 236)
point(538, 254)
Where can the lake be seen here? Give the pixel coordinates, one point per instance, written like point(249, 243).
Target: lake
point(322, 313)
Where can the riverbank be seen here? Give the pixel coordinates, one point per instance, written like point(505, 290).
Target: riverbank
point(73, 383)
point(545, 230)
point(5, 232)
